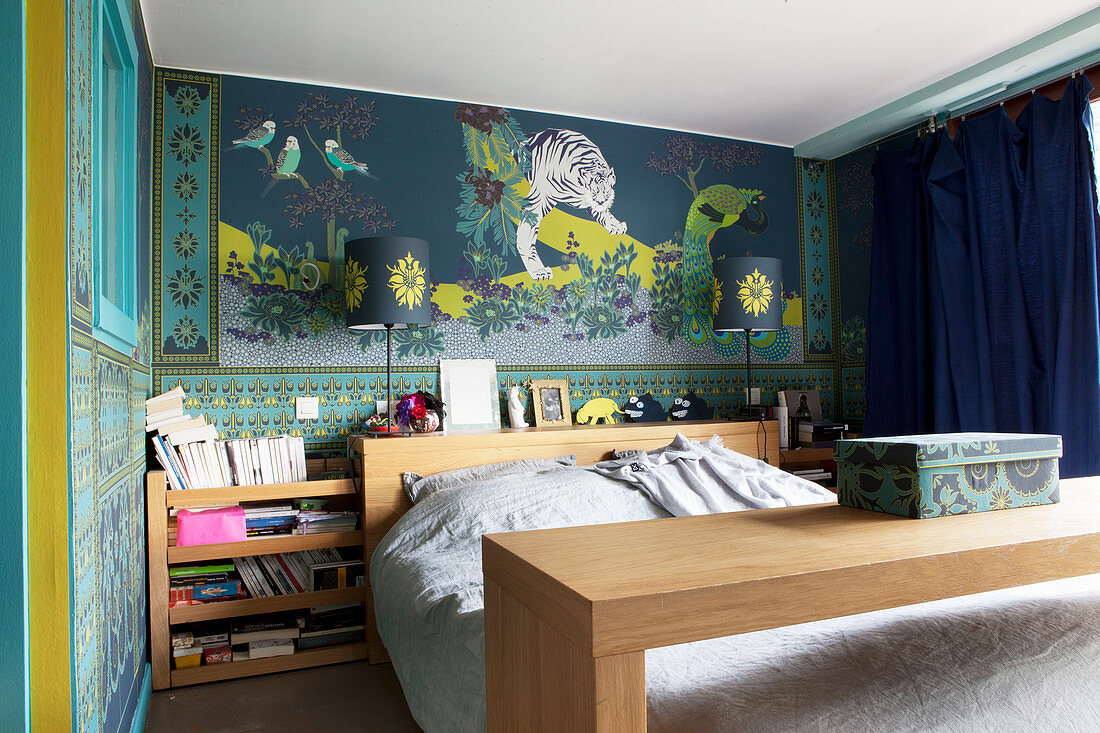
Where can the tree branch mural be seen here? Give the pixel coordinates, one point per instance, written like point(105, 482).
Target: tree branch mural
point(685, 155)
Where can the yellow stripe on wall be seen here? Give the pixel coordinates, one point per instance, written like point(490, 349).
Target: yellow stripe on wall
point(47, 357)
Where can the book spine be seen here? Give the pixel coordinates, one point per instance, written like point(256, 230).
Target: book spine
point(166, 462)
point(289, 573)
point(269, 575)
point(245, 569)
point(223, 455)
point(190, 461)
point(261, 577)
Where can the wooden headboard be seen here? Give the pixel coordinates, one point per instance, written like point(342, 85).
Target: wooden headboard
point(385, 459)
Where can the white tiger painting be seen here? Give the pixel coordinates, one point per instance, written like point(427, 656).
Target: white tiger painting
point(566, 168)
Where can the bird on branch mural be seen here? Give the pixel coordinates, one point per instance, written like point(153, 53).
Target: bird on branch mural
point(286, 165)
point(342, 160)
point(257, 137)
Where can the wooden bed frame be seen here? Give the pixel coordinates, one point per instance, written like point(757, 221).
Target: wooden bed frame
point(385, 459)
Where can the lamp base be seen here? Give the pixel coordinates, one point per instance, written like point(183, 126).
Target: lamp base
point(752, 412)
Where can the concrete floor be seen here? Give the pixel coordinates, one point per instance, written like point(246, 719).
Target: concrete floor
point(337, 698)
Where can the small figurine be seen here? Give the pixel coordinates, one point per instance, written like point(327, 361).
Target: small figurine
point(645, 408)
point(691, 407)
point(515, 408)
point(596, 408)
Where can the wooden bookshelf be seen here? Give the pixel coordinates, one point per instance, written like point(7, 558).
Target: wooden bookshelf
point(263, 546)
point(270, 604)
point(162, 553)
point(234, 494)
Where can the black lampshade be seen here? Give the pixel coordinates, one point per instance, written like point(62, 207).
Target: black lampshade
point(751, 294)
point(387, 280)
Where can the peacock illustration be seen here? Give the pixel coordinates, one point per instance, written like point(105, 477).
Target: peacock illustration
point(714, 208)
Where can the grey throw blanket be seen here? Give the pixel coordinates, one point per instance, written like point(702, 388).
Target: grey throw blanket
point(688, 478)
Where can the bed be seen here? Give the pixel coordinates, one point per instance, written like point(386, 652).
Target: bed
point(1014, 659)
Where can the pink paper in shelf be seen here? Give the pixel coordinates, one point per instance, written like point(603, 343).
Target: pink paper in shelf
point(208, 527)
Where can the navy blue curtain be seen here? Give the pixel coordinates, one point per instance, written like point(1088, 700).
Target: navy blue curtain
point(983, 311)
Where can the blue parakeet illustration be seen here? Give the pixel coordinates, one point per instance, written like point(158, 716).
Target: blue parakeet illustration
point(257, 137)
point(342, 160)
point(289, 157)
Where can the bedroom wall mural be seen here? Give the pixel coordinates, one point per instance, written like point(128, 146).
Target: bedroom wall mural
point(855, 193)
point(107, 392)
point(561, 247)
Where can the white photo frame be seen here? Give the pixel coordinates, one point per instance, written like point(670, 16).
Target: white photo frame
point(470, 395)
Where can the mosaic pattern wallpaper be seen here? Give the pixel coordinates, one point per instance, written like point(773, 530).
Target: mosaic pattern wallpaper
point(107, 392)
point(561, 247)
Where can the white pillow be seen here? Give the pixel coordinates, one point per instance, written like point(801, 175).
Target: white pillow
point(418, 487)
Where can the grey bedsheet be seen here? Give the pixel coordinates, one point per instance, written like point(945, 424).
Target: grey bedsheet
point(1022, 659)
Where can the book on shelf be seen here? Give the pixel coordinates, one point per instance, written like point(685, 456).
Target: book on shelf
point(246, 632)
point(270, 648)
point(198, 579)
point(331, 576)
point(205, 591)
point(193, 457)
point(320, 522)
point(282, 573)
point(319, 639)
point(221, 654)
point(178, 572)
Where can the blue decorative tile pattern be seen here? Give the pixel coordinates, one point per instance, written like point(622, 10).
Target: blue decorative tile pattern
point(185, 216)
point(260, 401)
point(106, 397)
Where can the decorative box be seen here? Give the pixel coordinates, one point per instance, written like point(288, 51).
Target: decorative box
point(923, 476)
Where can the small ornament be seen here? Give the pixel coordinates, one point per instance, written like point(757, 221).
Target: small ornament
point(515, 408)
point(596, 408)
point(419, 412)
point(645, 408)
point(690, 407)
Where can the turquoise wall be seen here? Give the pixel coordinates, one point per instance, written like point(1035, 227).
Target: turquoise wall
point(14, 693)
point(107, 390)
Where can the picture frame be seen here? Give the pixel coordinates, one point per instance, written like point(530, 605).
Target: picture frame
point(550, 400)
point(469, 390)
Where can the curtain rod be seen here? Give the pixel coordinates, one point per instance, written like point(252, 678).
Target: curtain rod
point(1083, 65)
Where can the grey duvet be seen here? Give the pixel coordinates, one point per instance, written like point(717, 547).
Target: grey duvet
point(1025, 659)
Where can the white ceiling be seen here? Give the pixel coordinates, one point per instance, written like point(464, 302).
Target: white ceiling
point(776, 71)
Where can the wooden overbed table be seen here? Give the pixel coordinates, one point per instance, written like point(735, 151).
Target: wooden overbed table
point(570, 612)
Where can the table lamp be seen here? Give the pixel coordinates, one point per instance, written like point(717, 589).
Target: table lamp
point(750, 292)
point(387, 284)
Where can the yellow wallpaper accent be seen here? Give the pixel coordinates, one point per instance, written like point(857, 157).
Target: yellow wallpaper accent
point(47, 356)
point(553, 232)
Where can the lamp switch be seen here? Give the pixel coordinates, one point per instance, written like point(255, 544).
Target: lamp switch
point(307, 408)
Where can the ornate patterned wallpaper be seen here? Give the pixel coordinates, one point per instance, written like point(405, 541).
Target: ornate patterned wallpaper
point(107, 391)
point(559, 247)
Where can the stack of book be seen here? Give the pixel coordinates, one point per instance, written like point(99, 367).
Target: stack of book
point(197, 584)
point(205, 644)
point(332, 625)
point(321, 522)
point(262, 519)
point(819, 433)
point(193, 458)
point(284, 573)
point(261, 637)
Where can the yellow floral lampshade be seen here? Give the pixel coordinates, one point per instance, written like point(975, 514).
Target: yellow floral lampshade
point(387, 280)
point(751, 295)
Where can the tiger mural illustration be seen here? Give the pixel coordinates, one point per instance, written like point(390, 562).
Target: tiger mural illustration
point(566, 168)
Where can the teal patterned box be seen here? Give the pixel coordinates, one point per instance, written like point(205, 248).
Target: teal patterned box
point(924, 476)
